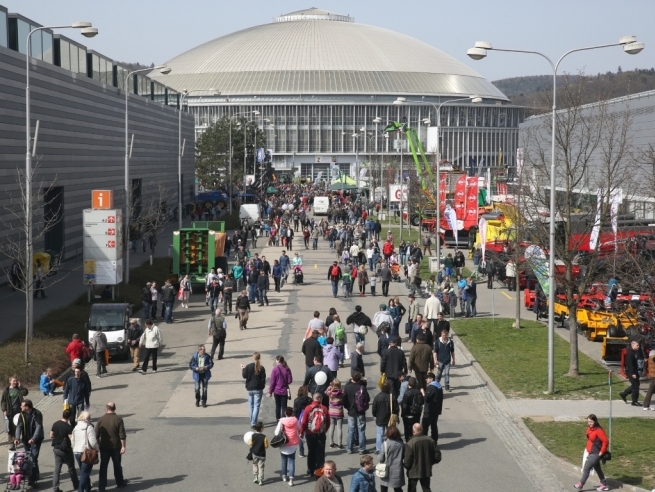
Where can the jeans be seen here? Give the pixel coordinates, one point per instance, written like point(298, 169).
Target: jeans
point(254, 402)
point(277, 283)
point(359, 338)
point(370, 265)
point(201, 383)
point(470, 306)
point(150, 352)
point(288, 464)
point(169, 311)
point(380, 432)
point(431, 424)
point(346, 288)
point(61, 458)
point(101, 368)
point(315, 245)
point(335, 288)
point(342, 350)
point(153, 309)
point(357, 424)
point(220, 343)
point(315, 451)
point(336, 423)
point(444, 368)
point(227, 302)
point(263, 298)
point(145, 306)
point(33, 449)
point(105, 456)
point(85, 474)
point(280, 405)
point(252, 293)
point(213, 304)
point(633, 389)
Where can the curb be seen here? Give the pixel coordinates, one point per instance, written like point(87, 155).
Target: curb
point(566, 466)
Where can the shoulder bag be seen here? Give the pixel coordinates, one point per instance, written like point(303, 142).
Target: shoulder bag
point(90, 455)
point(393, 419)
point(382, 469)
point(279, 440)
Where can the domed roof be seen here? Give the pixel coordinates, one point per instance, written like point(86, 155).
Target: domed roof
point(317, 52)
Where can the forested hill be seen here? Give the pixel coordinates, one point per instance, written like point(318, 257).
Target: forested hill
point(535, 90)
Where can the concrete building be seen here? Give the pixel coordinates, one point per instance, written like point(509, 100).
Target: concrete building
point(78, 98)
point(315, 81)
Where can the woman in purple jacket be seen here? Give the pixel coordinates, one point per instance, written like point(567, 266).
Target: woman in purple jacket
point(331, 356)
point(280, 380)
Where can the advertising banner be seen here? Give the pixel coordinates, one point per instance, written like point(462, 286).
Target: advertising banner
point(471, 218)
point(102, 233)
point(394, 193)
point(537, 260)
point(460, 197)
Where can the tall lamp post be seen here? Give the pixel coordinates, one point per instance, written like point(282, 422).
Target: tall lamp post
point(630, 46)
point(128, 192)
point(87, 30)
point(475, 100)
point(184, 96)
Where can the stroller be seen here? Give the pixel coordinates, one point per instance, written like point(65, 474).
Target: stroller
point(297, 275)
point(395, 272)
point(20, 468)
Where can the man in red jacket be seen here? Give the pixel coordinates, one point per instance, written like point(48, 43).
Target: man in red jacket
point(315, 439)
point(75, 348)
point(387, 249)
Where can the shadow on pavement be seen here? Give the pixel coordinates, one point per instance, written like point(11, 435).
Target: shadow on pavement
point(114, 387)
point(461, 443)
point(147, 484)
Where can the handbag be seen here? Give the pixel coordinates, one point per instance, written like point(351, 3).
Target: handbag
point(382, 380)
point(89, 455)
point(381, 469)
point(393, 419)
point(279, 439)
point(289, 394)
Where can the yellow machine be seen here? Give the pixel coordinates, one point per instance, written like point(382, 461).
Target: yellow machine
point(44, 259)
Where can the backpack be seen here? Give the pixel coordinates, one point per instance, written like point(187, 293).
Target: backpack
point(316, 420)
point(334, 272)
point(340, 332)
point(416, 405)
point(362, 400)
point(384, 324)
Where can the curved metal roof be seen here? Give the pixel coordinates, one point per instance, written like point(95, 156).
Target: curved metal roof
point(317, 52)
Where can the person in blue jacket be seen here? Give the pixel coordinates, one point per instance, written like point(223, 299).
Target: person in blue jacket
point(278, 272)
point(201, 364)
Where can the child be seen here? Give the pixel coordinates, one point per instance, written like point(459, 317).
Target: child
point(373, 280)
point(16, 471)
point(258, 444)
point(47, 383)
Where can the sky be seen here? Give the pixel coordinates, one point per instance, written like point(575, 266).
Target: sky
point(154, 31)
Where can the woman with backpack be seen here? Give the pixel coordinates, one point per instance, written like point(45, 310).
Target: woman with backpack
point(278, 385)
point(338, 332)
point(255, 376)
point(299, 404)
point(335, 395)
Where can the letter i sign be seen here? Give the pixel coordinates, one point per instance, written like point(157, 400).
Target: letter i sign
point(102, 199)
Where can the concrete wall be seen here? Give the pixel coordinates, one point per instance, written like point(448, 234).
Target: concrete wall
point(81, 141)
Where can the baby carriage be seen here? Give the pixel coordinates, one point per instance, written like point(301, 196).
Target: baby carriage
point(20, 468)
point(395, 272)
point(297, 275)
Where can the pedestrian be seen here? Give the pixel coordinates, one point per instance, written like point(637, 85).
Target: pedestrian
point(187, 290)
point(420, 359)
point(77, 394)
point(338, 332)
point(471, 290)
point(263, 286)
point(651, 375)
point(314, 425)
point(312, 349)
point(112, 442)
point(597, 444)
point(331, 356)
point(385, 277)
point(346, 280)
point(255, 376)
point(421, 453)
point(330, 481)
point(146, 299)
point(63, 450)
point(243, 309)
point(412, 406)
point(258, 443)
point(228, 288)
point(201, 365)
point(154, 297)
point(394, 364)
point(75, 348)
point(385, 410)
point(15, 276)
point(12, 399)
point(84, 437)
point(510, 273)
point(444, 357)
point(29, 431)
point(374, 281)
point(432, 309)
point(134, 332)
point(392, 455)
point(356, 402)
point(334, 275)
point(279, 385)
point(151, 339)
point(364, 480)
point(288, 425)
point(433, 397)
point(39, 278)
point(632, 372)
point(335, 395)
point(217, 328)
point(362, 280)
point(168, 299)
point(99, 345)
point(277, 275)
point(48, 383)
point(316, 323)
point(359, 320)
point(299, 404)
point(357, 360)
point(214, 292)
point(459, 261)
point(442, 324)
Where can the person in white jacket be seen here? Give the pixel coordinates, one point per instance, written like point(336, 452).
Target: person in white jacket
point(151, 340)
point(83, 437)
point(431, 309)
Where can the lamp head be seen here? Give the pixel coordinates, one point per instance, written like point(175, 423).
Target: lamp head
point(426, 121)
point(633, 48)
point(476, 53)
point(476, 100)
point(165, 70)
point(89, 32)
point(81, 25)
point(362, 129)
point(377, 120)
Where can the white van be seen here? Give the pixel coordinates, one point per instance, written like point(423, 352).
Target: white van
point(321, 205)
point(250, 211)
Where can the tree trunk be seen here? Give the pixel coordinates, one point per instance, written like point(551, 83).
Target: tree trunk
point(574, 363)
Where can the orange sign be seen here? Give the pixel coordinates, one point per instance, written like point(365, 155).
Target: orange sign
point(102, 199)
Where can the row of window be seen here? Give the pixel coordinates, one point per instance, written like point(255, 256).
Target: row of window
point(66, 53)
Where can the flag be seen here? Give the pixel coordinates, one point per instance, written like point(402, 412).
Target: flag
point(595, 231)
point(460, 197)
point(451, 217)
point(615, 200)
point(482, 227)
point(536, 258)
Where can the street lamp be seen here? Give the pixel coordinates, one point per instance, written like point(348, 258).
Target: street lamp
point(183, 96)
point(630, 46)
point(245, 149)
point(87, 30)
point(164, 70)
point(475, 100)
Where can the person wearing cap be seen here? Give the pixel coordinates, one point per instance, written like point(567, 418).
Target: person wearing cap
point(134, 332)
point(382, 316)
point(433, 396)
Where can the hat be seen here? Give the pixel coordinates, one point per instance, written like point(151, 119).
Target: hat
point(77, 362)
point(383, 306)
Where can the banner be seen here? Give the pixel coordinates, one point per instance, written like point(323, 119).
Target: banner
point(394, 193)
point(482, 227)
point(443, 189)
point(260, 155)
point(615, 200)
point(537, 260)
point(471, 217)
point(519, 161)
point(451, 217)
point(595, 231)
point(460, 197)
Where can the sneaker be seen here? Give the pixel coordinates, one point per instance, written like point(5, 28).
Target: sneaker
point(332, 445)
point(154, 371)
point(255, 480)
point(141, 371)
point(261, 482)
point(602, 487)
point(578, 486)
point(284, 478)
point(636, 404)
point(291, 482)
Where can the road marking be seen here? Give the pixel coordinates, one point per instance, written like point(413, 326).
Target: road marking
point(506, 295)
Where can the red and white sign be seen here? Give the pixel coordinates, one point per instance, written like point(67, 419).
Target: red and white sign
point(111, 244)
point(395, 190)
point(111, 219)
point(111, 232)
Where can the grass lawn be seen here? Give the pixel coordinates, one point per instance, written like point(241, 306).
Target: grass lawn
point(517, 361)
point(633, 452)
point(53, 332)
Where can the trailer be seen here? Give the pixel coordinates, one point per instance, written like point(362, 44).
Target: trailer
point(198, 249)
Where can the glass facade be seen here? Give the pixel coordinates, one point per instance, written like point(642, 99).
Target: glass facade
point(102, 68)
point(18, 28)
point(158, 92)
point(120, 73)
point(69, 55)
point(3, 29)
point(143, 85)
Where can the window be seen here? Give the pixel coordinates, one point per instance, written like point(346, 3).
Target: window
point(75, 58)
point(82, 61)
point(3, 28)
point(64, 54)
point(48, 55)
point(23, 31)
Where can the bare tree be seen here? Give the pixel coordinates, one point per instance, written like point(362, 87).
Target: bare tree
point(152, 214)
point(593, 162)
point(14, 237)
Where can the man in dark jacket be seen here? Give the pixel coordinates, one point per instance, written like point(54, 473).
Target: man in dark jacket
point(310, 379)
point(146, 300)
point(433, 397)
point(168, 298)
point(334, 275)
point(394, 364)
point(243, 309)
point(76, 394)
point(263, 285)
point(384, 405)
point(253, 295)
point(312, 349)
point(228, 288)
point(421, 453)
point(412, 405)
point(385, 277)
point(420, 359)
point(357, 360)
point(214, 291)
point(134, 333)
point(632, 372)
point(29, 431)
point(359, 319)
point(356, 417)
